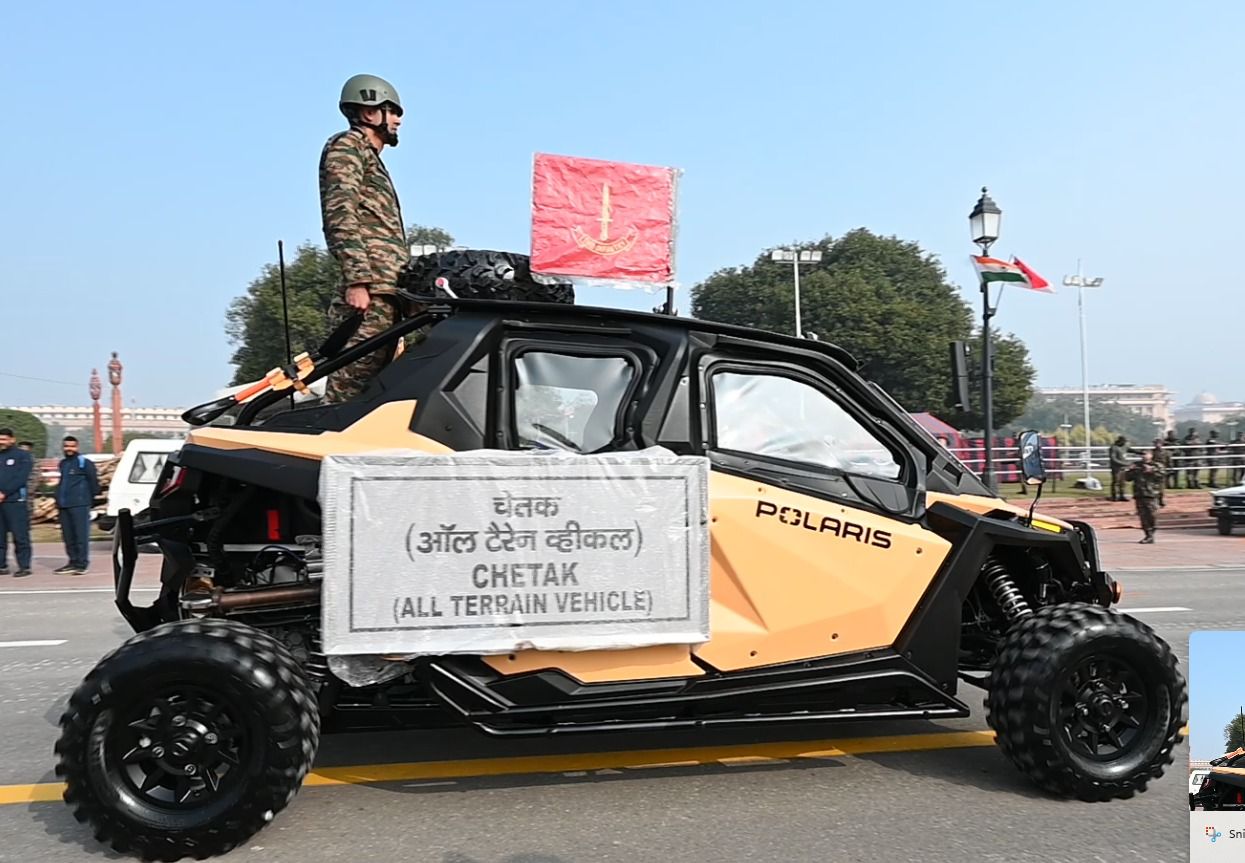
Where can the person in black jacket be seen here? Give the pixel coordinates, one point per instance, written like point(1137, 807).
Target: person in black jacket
point(14, 516)
point(76, 491)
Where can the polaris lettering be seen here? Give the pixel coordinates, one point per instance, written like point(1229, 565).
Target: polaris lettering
point(824, 524)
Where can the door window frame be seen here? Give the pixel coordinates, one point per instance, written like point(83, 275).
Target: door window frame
point(819, 480)
point(640, 359)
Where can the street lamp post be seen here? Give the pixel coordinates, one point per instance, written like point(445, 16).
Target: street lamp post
point(1081, 282)
point(984, 221)
point(797, 257)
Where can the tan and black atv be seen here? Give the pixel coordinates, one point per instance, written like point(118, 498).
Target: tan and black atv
point(858, 572)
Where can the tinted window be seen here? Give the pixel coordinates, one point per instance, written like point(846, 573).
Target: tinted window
point(568, 402)
point(783, 418)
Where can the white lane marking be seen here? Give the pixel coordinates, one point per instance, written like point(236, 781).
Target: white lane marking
point(1156, 608)
point(31, 643)
point(1197, 567)
point(74, 590)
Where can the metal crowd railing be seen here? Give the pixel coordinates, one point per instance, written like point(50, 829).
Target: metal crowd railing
point(1228, 461)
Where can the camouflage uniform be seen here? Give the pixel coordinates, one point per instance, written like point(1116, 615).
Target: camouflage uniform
point(1172, 465)
point(1118, 458)
point(1147, 480)
point(1162, 458)
point(1193, 456)
point(1236, 456)
point(1214, 456)
point(364, 232)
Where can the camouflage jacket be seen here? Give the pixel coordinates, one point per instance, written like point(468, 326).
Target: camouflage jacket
point(362, 219)
point(1146, 483)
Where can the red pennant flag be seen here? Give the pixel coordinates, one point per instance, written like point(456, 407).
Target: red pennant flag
point(602, 220)
point(1035, 281)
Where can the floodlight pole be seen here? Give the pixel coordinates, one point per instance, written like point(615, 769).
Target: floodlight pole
point(1081, 282)
point(795, 268)
point(797, 257)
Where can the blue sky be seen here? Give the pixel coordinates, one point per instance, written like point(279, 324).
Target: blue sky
point(1216, 689)
point(156, 152)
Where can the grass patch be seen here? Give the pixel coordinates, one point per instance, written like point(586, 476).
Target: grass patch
point(52, 533)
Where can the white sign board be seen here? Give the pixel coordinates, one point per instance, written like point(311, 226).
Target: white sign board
point(491, 552)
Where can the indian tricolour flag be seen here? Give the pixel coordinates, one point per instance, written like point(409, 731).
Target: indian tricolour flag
point(993, 270)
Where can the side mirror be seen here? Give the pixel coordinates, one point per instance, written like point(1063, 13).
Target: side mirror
point(1031, 467)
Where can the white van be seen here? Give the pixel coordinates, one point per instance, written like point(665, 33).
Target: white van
point(136, 476)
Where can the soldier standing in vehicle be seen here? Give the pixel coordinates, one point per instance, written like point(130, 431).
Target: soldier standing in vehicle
point(363, 225)
point(1193, 455)
point(1147, 480)
point(1118, 458)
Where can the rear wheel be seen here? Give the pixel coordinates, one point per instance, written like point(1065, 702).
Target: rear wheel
point(187, 739)
point(1086, 701)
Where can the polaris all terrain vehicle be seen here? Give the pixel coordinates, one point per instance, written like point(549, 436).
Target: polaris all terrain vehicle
point(1221, 785)
point(858, 571)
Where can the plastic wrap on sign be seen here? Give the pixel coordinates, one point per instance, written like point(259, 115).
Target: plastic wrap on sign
point(491, 552)
point(603, 221)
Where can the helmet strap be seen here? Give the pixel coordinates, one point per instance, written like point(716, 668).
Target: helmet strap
point(382, 128)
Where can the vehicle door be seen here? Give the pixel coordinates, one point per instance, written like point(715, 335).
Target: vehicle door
point(815, 500)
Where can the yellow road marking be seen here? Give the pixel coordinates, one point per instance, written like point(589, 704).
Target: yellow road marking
point(46, 792)
point(637, 759)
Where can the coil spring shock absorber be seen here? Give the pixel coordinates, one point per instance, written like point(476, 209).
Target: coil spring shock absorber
point(1005, 591)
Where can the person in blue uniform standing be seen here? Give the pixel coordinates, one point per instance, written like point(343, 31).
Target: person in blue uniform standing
point(15, 465)
point(75, 493)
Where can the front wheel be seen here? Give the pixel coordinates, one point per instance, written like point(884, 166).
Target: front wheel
point(1086, 701)
point(1225, 525)
point(187, 739)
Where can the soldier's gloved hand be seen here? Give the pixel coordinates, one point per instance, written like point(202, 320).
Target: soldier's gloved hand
point(358, 297)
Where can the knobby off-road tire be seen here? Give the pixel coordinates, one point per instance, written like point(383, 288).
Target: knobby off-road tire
point(485, 275)
point(217, 696)
point(1062, 660)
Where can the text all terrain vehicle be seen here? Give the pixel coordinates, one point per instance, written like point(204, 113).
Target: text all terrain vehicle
point(858, 572)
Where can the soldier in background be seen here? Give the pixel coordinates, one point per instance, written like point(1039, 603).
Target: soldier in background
point(1193, 454)
point(1214, 453)
point(1163, 458)
point(363, 226)
point(1147, 480)
point(1174, 461)
point(1117, 456)
point(1236, 458)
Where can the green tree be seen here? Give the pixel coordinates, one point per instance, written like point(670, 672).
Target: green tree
point(255, 324)
point(887, 302)
point(1234, 733)
point(26, 426)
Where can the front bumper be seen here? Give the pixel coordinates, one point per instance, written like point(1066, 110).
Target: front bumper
point(178, 563)
point(1107, 588)
point(1235, 513)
